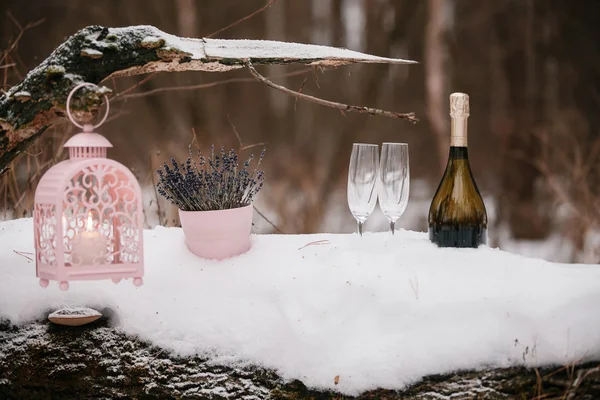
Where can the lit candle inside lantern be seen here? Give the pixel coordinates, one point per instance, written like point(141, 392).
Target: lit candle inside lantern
point(90, 244)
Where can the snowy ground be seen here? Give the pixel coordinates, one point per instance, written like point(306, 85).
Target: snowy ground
point(377, 311)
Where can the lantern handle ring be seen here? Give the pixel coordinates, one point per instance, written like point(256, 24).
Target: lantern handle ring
point(86, 127)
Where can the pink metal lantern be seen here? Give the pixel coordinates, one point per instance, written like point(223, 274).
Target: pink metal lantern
point(88, 221)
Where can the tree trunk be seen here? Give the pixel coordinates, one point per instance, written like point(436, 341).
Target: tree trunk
point(520, 205)
point(187, 21)
point(435, 78)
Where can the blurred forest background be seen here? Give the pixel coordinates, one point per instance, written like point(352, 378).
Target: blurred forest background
point(531, 68)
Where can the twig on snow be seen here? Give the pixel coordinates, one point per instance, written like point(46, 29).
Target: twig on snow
point(24, 254)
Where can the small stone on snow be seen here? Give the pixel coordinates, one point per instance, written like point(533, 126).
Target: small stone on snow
point(75, 312)
point(74, 316)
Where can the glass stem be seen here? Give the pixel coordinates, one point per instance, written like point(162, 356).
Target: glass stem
point(392, 226)
point(360, 228)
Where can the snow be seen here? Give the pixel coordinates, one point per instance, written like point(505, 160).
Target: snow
point(268, 49)
point(217, 49)
point(379, 311)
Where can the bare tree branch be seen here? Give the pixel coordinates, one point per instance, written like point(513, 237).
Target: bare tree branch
point(201, 85)
point(268, 221)
point(132, 87)
point(342, 107)
point(239, 21)
point(435, 77)
point(19, 36)
point(97, 53)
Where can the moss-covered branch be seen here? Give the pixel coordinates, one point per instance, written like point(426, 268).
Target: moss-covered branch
point(96, 53)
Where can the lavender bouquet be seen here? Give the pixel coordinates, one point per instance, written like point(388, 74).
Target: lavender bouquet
point(216, 183)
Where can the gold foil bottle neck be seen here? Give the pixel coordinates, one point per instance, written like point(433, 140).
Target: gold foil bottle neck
point(459, 111)
point(459, 105)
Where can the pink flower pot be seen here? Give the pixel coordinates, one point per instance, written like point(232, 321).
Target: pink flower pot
point(217, 234)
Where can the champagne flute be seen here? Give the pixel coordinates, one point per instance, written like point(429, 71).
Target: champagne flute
point(362, 178)
point(394, 181)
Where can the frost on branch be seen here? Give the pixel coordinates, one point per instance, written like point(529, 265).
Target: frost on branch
point(96, 53)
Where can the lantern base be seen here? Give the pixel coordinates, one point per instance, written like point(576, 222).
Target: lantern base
point(113, 272)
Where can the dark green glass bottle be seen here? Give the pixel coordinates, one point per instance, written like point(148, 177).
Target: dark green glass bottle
point(457, 216)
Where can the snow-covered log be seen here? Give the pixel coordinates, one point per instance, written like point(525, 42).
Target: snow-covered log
point(337, 313)
point(41, 360)
point(96, 53)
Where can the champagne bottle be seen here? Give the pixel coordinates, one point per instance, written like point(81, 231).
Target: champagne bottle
point(457, 216)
